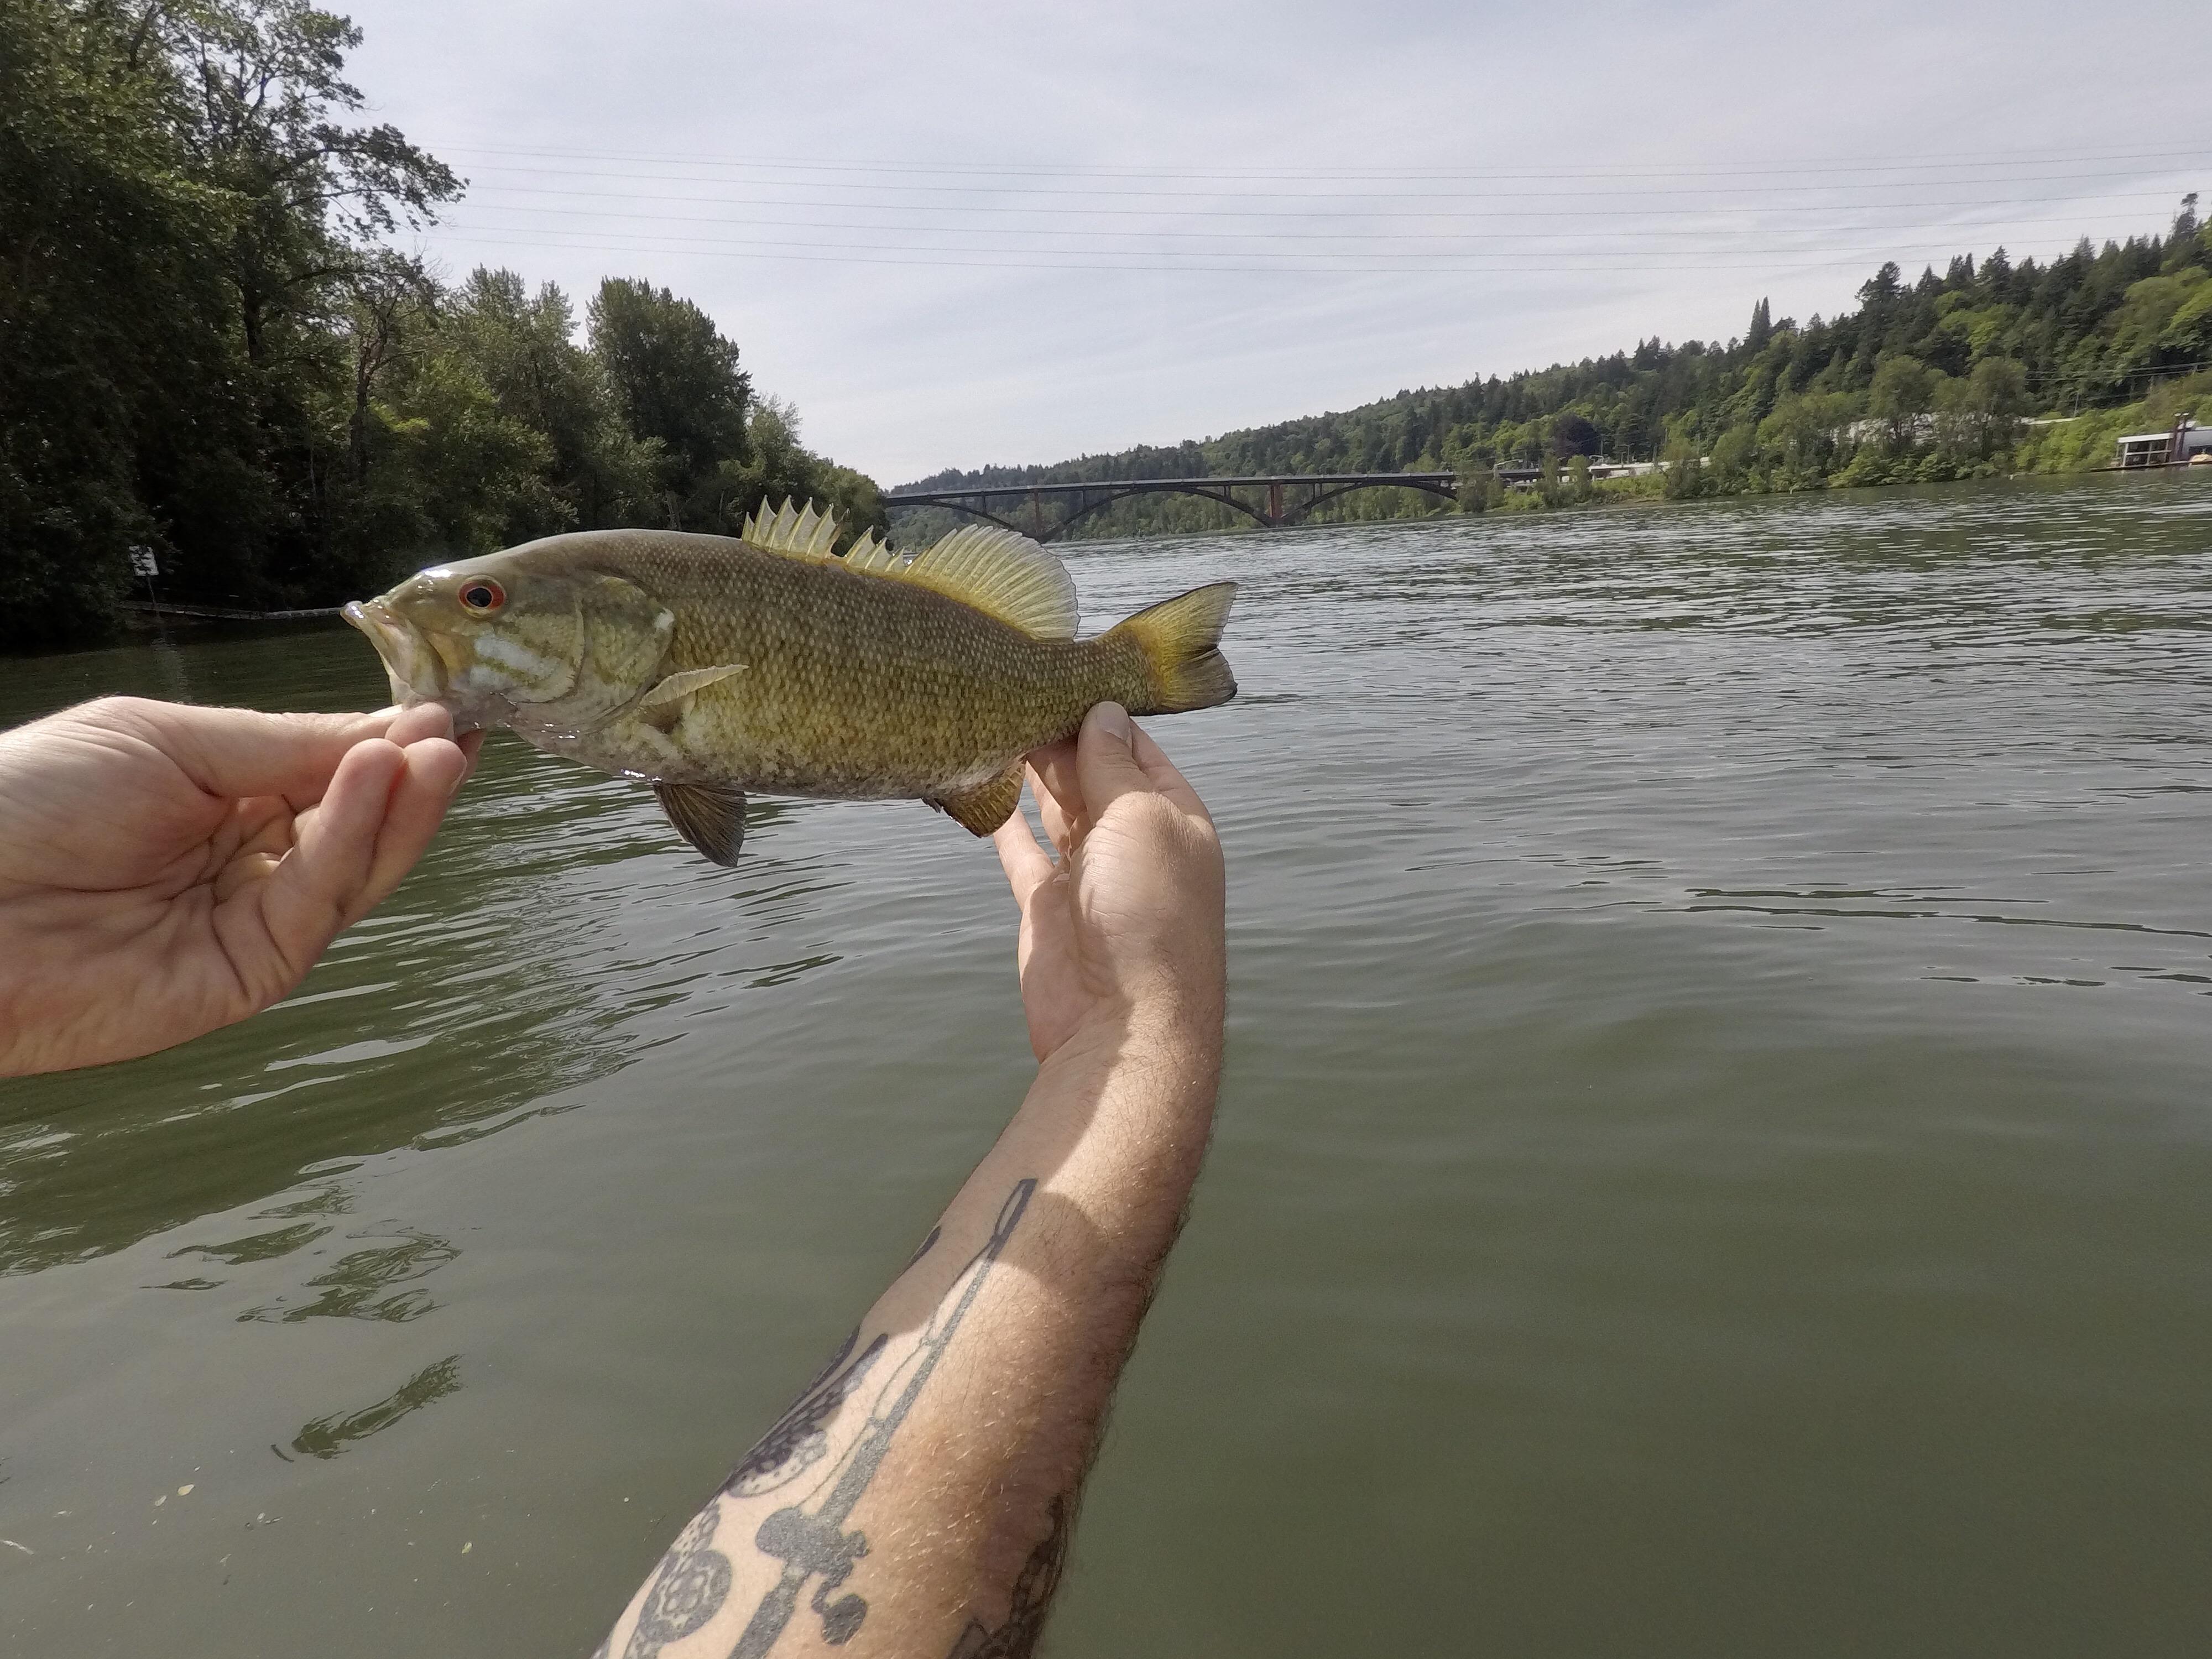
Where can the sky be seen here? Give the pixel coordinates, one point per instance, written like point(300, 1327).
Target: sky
point(959, 235)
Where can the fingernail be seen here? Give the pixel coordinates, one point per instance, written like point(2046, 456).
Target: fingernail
point(1113, 721)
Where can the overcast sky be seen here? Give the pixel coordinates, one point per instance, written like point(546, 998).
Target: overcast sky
point(961, 234)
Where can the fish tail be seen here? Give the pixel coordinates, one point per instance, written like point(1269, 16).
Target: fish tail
point(1181, 641)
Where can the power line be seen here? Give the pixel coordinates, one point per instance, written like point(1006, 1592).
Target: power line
point(1323, 196)
point(1331, 174)
point(1984, 203)
point(1272, 235)
point(756, 249)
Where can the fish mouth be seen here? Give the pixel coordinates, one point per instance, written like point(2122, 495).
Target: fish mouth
point(416, 672)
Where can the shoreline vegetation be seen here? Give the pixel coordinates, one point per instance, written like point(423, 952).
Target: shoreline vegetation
point(211, 354)
point(1992, 368)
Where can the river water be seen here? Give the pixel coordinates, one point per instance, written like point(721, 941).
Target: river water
point(1716, 1160)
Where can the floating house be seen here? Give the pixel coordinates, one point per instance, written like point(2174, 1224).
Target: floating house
point(2186, 444)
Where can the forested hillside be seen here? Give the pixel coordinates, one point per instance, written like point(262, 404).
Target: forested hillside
point(1927, 379)
point(207, 348)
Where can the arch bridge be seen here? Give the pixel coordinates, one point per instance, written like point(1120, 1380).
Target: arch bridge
point(1272, 503)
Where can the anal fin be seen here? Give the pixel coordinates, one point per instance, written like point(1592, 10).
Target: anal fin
point(710, 815)
point(982, 810)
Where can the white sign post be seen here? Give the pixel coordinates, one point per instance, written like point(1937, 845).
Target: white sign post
point(144, 564)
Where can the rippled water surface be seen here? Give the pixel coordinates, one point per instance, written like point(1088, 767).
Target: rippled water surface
point(1716, 1157)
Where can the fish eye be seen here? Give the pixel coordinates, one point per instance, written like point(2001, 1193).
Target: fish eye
point(484, 594)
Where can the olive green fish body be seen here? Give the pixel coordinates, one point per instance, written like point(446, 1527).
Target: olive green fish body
point(709, 666)
point(853, 687)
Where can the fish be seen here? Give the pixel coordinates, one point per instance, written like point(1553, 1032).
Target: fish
point(709, 667)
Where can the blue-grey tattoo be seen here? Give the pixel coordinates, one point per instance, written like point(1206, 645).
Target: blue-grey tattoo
point(811, 1542)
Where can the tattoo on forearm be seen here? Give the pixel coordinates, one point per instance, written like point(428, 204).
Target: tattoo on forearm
point(796, 1442)
point(693, 1583)
point(1018, 1638)
point(812, 1543)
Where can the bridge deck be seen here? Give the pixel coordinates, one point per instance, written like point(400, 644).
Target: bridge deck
point(1287, 498)
point(925, 497)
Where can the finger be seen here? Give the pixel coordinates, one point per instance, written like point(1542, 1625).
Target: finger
point(242, 751)
point(1106, 760)
point(415, 809)
point(1059, 797)
point(433, 722)
point(1165, 778)
point(313, 891)
point(424, 720)
point(1027, 865)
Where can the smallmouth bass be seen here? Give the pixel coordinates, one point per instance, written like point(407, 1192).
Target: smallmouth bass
point(707, 665)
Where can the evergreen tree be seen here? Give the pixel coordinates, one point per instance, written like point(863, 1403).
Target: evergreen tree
point(1761, 329)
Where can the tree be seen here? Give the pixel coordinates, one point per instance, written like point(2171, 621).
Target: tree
point(1686, 469)
point(523, 348)
point(1630, 434)
point(1734, 451)
point(1904, 391)
point(1761, 329)
point(676, 380)
point(778, 467)
point(114, 376)
point(1999, 388)
point(1573, 434)
point(260, 81)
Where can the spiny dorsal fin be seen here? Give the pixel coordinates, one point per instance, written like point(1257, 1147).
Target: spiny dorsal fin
point(804, 535)
point(1004, 574)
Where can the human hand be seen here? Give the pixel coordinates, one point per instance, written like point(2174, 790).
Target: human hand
point(165, 869)
point(1126, 929)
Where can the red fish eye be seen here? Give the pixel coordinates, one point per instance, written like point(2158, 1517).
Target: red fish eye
point(484, 594)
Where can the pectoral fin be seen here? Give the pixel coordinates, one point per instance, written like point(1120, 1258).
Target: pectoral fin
point(982, 810)
point(710, 815)
point(672, 693)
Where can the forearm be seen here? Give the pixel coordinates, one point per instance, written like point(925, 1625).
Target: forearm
point(917, 1497)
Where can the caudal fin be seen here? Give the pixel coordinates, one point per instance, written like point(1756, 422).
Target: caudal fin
point(1180, 639)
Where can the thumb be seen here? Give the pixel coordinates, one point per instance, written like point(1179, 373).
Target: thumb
point(1106, 760)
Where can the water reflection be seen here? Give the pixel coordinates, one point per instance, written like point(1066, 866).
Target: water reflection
point(326, 1436)
point(355, 1287)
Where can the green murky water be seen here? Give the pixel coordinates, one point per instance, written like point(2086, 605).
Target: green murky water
point(1718, 1156)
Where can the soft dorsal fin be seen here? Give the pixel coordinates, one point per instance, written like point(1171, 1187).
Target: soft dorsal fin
point(1004, 574)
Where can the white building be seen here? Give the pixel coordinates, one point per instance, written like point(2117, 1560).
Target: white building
point(2186, 444)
